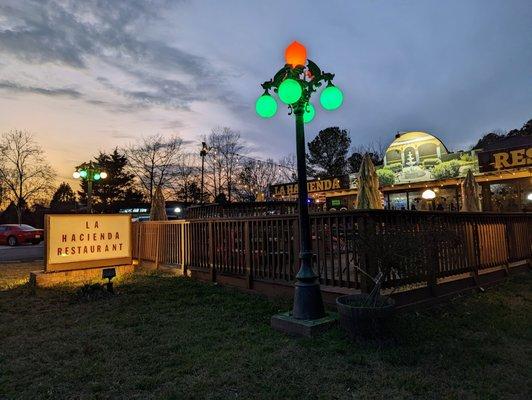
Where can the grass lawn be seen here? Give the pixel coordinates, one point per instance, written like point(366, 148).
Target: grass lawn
point(164, 337)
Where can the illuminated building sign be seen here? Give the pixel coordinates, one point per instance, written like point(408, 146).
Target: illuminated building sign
point(420, 157)
point(496, 160)
point(133, 210)
point(318, 185)
point(87, 241)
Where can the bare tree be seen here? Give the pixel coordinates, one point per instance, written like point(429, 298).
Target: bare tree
point(224, 160)
point(186, 174)
point(152, 161)
point(288, 168)
point(376, 151)
point(24, 171)
point(255, 176)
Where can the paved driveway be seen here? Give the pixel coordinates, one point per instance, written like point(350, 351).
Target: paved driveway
point(22, 253)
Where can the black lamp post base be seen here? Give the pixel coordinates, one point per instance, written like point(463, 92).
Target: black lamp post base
point(286, 323)
point(308, 303)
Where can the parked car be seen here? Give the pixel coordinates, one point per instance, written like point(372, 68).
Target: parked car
point(14, 234)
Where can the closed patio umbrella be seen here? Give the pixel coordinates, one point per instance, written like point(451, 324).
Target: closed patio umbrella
point(470, 194)
point(368, 196)
point(158, 206)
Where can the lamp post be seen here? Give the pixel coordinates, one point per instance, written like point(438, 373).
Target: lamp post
point(429, 194)
point(203, 153)
point(294, 85)
point(90, 172)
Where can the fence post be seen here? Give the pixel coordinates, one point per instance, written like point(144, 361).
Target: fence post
point(247, 254)
point(295, 244)
point(476, 252)
point(183, 246)
point(366, 230)
point(433, 259)
point(138, 228)
point(509, 239)
point(157, 240)
point(210, 237)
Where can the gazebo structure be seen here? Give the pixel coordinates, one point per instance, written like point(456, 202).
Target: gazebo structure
point(414, 146)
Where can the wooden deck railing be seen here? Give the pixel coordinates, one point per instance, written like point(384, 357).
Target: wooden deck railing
point(161, 242)
point(266, 247)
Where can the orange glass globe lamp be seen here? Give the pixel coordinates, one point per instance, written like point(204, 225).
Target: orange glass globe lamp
point(295, 54)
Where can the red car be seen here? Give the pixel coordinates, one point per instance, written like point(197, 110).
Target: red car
point(13, 234)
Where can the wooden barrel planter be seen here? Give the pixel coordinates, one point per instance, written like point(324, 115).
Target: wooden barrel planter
point(360, 320)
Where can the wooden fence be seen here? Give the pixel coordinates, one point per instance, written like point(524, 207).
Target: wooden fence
point(430, 246)
point(161, 242)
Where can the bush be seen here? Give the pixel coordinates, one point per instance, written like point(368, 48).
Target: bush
point(386, 176)
point(466, 157)
point(447, 169)
point(450, 156)
point(395, 167)
point(431, 162)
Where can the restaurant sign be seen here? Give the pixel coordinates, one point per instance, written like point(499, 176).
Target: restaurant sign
point(313, 186)
point(87, 241)
point(496, 160)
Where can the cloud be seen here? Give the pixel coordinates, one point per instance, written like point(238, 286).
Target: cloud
point(173, 124)
point(122, 135)
point(74, 34)
point(18, 88)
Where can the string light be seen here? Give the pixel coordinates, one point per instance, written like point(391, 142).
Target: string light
point(273, 163)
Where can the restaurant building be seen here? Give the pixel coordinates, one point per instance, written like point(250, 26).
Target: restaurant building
point(417, 161)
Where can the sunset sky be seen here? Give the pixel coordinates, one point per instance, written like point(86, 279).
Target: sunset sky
point(90, 75)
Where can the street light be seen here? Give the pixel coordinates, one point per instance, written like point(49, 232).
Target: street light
point(203, 153)
point(294, 85)
point(90, 172)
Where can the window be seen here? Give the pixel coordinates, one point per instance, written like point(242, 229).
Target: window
point(396, 201)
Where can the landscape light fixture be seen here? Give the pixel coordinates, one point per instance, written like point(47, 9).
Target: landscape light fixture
point(109, 273)
point(294, 84)
point(89, 172)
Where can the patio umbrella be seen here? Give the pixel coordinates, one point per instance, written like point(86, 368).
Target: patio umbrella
point(470, 195)
point(158, 206)
point(369, 196)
